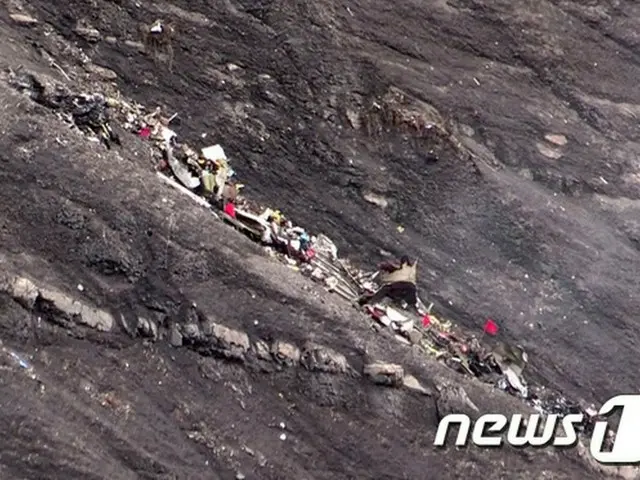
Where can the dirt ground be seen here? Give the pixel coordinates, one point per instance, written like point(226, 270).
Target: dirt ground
point(527, 214)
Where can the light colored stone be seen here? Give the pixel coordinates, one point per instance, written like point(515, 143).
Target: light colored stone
point(384, 373)
point(231, 337)
point(21, 289)
point(412, 383)
point(136, 45)
point(454, 399)
point(285, 353)
point(23, 19)
point(548, 152)
point(230, 343)
point(415, 337)
point(190, 331)
point(78, 311)
point(261, 350)
point(556, 139)
point(101, 72)
point(27, 292)
point(354, 119)
point(176, 336)
point(148, 328)
point(89, 33)
point(322, 359)
point(376, 200)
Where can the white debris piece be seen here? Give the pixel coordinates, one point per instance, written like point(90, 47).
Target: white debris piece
point(213, 153)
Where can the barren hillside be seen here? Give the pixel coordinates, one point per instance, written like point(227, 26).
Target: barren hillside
point(509, 157)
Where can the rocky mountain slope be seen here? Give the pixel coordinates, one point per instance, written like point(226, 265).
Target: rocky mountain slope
point(502, 137)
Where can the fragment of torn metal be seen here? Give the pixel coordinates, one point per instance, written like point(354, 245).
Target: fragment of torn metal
point(335, 287)
point(252, 225)
point(180, 170)
point(510, 357)
point(515, 382)
point(324, 244)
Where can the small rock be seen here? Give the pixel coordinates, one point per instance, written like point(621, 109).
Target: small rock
point(80, 288)
point(88, 33)
point(384, 373)
point(233, 344)
point(21, 289)
point(147, 328)
point(137, 45)
point(101, 72)
point(190, 331)
point(415, 337)
point(467, 130)
point(453, 399)
point(23, 19)
point(261, 350)
point(354, 119)
point(285, 353)
point(556, 139)
point(240, 476)
point(176, 336)
point(376, 200)
point(283, 437)
point(78, 311)
point(548, 152)
point(322, 359)
point(526, 173)
point(412, 383)
point(111, 40)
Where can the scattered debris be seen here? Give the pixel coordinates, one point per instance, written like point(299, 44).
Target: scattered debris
point(208, 179)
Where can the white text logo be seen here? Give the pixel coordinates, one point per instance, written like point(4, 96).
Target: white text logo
point(538, 431)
